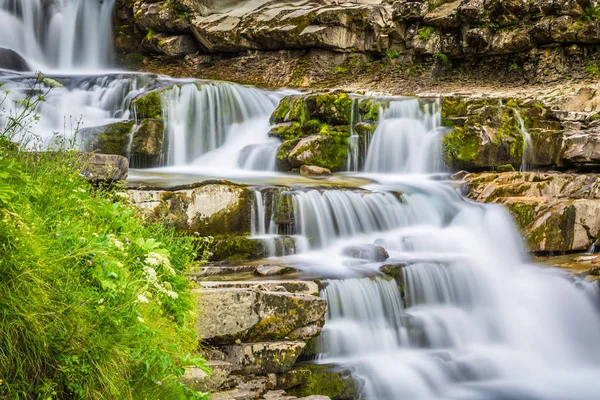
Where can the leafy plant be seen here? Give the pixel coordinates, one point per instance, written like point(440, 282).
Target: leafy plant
point(593, 69)
point(392, 54)
point(590, 13)
point(442, 58)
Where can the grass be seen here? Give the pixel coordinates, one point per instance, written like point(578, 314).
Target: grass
point(93, 304)
point(426, 32)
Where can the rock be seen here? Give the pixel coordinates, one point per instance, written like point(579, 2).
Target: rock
point(555, 212)
point(158, 16)
point(242, 248)
point(366, 252)
point(146, 148)
point(108, 139)
point(148, 105)
point(197, 379)
point(10, 59)
point(105, 167)
point(209, 208)
point(264, 357)
point(246, 389)
point(473, 12)
point(333, 108)
point(327, 380)
point(409, 10)
point(445, 15)
point(251, 314)
point(329, 151)
point(172, 46)
point(291, 286)
point(511, 41)
point(314, 170)
point(274, 270)
point(582, 148)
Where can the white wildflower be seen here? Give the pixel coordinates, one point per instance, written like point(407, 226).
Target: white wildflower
point(142, 299)
point(172, 294)
point(100, 301)
point(140, 319)
point(150, 274)
point(117, 243)
point(156, 259)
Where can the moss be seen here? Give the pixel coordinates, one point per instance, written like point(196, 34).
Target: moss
point(460, 145)
point(369, 109)
point(108, 139)
point(453, 107)
point(333, 108)
point(236, 248)
point(330, 150)
point(506, 168)
point(148, 105)
point(326, 380)
point(523, 213)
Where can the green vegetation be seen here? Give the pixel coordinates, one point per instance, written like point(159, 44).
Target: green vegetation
point(426, 32)
point(593, 69)
point(590, 13)
point(392, 54)
point(93, 304)
point(442, 58)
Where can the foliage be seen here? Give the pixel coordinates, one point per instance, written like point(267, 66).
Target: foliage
point(593, 69)
point(590, 13)
point(392, 54)
point(426, 32)
point(442, 58)
point(93, 304)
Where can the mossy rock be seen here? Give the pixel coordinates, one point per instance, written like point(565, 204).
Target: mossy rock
point(148, 105)
point(108, 139)
point(333, 108)
point(147, 144)
point(237, 248)
point(327, 380)
point(328, 150)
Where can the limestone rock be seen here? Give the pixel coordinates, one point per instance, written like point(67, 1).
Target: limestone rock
point(445, 15)
point(146, 148)
point(172, 46)
point(409, 10)
point(108, 139)
point(249, 314)
point(198, 380)
point(314, 170)
point(10, 59)
point(264, 357)
point(158, 16)
point(210, 208)
point(105, 167)
point(511, 41)
point(366, 252)
point(555, 212)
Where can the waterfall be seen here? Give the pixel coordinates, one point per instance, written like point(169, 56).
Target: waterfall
point(218, 124)
point(527, 142)
point(407, 139)
point(61, 34)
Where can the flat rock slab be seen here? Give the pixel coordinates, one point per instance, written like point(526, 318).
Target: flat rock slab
point(292, 286)
point(253, 313)
point(198, 380)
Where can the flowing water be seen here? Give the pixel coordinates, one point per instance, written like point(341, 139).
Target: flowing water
point(467, 316)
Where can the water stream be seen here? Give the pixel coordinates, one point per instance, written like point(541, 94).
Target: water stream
point(467, 315)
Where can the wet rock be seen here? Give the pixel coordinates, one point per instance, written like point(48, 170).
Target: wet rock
point(242, 248)
point(172, 46)
point(256, 314)
point(314, 170)
point(105, 167)
point(264, 357)
point(108, 139)
point(274, 270)
point(555, 212)
point(146, 147)
point(366, 252)
point(211, 208)
point(327, 380)
point(10, 59)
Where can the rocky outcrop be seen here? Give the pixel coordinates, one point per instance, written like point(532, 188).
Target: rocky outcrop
point(257, 331)
point(487, 133)
point(208, 208)
point(105, 167)
point(11, 60)
point(556, 212)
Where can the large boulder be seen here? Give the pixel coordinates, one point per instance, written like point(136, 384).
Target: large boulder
point(209, 208)
point(108, 139)
point(10, 59)
point(105, 167)
point(263, 357)
point(255, 313)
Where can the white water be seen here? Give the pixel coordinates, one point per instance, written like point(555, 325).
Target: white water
point(58, 35)
point(527, 142)
point(219, 125)
point(407, 139)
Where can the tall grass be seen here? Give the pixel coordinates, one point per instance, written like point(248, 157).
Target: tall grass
point(93, 304)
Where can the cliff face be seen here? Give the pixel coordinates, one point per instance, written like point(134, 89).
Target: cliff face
point(324, 43)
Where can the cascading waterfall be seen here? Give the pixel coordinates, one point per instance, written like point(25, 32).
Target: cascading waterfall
point(407, 139)
point(65, 34)
point(219, 124)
